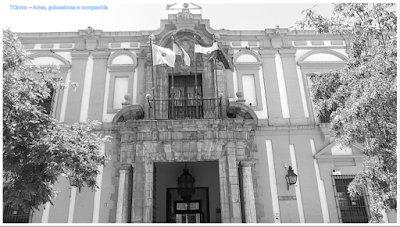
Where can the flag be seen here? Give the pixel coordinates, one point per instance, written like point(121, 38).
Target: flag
point(180, 51)
point(163, 55)
point(205, 50)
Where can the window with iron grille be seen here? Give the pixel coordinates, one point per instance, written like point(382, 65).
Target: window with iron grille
point(15, 216)
point(326, 116)
point(350, 210)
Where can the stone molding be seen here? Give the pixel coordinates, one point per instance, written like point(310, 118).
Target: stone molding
point(133, 56)
point(132, 112)
point(322, 51)
point(244, 52)
point(51, 55)
point(121, 68)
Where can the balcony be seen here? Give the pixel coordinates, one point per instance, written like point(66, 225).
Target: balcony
point(186, 108)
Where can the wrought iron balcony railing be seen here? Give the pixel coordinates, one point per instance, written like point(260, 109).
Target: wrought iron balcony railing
point(199, 108)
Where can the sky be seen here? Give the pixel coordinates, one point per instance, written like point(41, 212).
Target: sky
point(124, 15)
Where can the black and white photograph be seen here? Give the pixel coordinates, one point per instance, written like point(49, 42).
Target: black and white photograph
point(209, 113)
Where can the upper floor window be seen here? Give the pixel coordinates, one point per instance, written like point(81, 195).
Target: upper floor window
point(319, 61)
point(248, 73)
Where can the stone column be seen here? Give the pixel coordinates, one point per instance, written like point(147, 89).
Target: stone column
point(123, 195)
point(224, 192)
point(138, 191)
point(248, 193)
point(233, 184)
point(148, 191)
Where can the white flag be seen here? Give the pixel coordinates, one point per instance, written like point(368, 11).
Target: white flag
point(163, 55)
point(180, 51)
point(205, 50)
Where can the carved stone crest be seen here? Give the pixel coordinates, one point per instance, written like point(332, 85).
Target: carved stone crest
point(185, 14)
point(89, 31)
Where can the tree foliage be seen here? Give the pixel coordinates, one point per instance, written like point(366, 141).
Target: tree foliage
point(37, 149)
point(363, 95)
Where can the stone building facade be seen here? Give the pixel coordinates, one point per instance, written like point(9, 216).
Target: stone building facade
point(237, 130)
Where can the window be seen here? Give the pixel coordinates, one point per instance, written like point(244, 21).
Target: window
point(249, 73)
point(321, 61)
point(48, 103)
point(249, 89)
point(350, 210)
point(15, 216)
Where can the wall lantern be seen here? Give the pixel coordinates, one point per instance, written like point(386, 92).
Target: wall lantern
point(186, 185)
point(291, 177)
point(74, 182)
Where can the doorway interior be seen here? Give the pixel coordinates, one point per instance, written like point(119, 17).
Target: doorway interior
point(204, 206)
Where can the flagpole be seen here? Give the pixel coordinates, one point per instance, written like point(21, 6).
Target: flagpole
point(172, 81)
point(215, 70)
point(152, 73)
point(195, 76)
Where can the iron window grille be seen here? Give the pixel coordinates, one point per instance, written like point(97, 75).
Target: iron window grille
point(350, 210)
point(11, 215)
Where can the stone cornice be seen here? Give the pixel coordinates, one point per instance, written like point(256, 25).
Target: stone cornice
point(339, 158)
point(247, 65)
point(121, 68)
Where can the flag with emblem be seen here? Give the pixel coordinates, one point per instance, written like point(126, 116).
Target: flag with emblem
point(180, 51)
point(205, 50)
point(163, 55)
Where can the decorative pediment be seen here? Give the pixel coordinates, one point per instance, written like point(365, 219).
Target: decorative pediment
point(238, 109)
point(341, 156)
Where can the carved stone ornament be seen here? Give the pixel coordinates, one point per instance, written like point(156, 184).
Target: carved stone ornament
point(185, 14)
point(89, 31)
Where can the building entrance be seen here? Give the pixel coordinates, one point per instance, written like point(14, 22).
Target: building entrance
point(202, 206)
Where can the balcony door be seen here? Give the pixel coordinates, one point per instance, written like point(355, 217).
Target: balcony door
point(184, 104)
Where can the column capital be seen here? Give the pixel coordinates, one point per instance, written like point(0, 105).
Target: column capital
point(267, 52)
point(247, 163)
point(80, 55)
point(100, 54)
point(125, 167)
point(287, 52)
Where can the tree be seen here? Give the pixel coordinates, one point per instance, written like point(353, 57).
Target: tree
point(363, 95)
point(37, 149)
